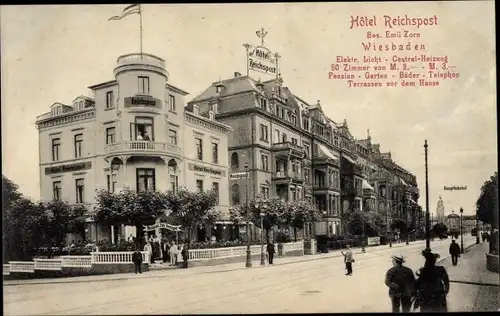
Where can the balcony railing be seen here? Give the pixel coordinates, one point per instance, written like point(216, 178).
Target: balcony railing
point(137, 58)
point(326, 161)
point(281, 175)
point(289, 149)
point(142, 147)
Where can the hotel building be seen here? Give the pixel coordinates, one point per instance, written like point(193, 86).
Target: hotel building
point(133, 133)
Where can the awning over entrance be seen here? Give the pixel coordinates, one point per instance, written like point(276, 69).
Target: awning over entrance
point(366, 185)
point(349, 159)
point(327, 152)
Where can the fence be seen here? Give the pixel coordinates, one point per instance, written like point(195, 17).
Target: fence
point(71, 262)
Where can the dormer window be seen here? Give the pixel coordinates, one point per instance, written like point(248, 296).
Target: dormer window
point(214, 107)
point(218, 89)
point(196, 109)
point(263, 104)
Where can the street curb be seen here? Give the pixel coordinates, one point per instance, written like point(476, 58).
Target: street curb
point(315, 257)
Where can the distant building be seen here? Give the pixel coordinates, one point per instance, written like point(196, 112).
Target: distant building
point(440, 218)
point(453, 223)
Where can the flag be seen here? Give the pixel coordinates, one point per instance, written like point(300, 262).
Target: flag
point(131, 9)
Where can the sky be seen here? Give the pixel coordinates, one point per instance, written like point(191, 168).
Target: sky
point(53, 53)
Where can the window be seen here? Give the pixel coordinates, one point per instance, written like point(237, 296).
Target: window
point(283, 138)
point(263, 133)
point(78, 145)
point(110, 135)
point(143, 85)
point(56, 189)
point(307, 149)
point(264, 162)
point(277, 136)
point(199, 148)
point(214, 107)
point(305, 123)
point(199, 185)
point(109, 100)
point(171, 103)
point(235, 194)
point(235, 164)
point(111, 179)
point(80, 187)
point(174, 182)
point(294, 141)
point(172, 137)
point(264, 191)
point(144, 128)
point(215, 188)
point(215, 153)
point(263, 104)
point(56, 144)
point(306, 175)
point(145, 179)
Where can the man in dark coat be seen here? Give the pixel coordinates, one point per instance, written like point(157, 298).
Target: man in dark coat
point(185, 255)
point(454, 252)
point(401, 283)
point(270, 252)
point(137, 260)
point(432, 285)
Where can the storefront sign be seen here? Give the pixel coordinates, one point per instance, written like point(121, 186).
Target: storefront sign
point(142, 101)
point(198, 168)
point(373, 241)
point(69, 168)
point(162, 225)
point(238, 175)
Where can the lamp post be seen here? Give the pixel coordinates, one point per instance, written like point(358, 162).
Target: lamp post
point(427, 214)
point(477, 230)
point(461, 232)
point(262, 259)
point(249, 252)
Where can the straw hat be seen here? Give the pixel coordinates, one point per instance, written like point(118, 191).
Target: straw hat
point(429, 254)
point(398, 257)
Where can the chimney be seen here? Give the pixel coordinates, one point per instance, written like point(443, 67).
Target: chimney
point(237, 74)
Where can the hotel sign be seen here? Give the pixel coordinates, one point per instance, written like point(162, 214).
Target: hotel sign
point(142, 101)
point(238, 175)
point(204, 169)
point(260, 58)
point(68, 168)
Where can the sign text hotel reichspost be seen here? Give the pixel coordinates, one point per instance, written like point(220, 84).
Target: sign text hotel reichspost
point(260, 58)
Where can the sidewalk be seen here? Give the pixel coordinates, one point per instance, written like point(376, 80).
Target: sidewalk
point(472, 286)
point(155, 273)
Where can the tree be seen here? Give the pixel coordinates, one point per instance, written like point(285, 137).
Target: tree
point(62, 218)
point(399, 224)
point(487, 209)
point(190, 209)
point(302, 212)
point(440, 229)
point(10, 192)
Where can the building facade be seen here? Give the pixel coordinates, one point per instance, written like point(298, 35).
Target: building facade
point(294, 151)
point(133, 133)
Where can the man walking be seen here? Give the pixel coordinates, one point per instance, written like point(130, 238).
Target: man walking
point(270, 252)
point(137, 260)
point(348, 259)
point(454, 252)
point(401, 283)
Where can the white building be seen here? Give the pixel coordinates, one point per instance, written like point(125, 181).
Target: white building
point(134, 133)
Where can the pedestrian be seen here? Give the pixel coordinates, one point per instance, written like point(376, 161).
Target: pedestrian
point(137, 260)
point(401, 283)
point(454, 252)
point(270, 252)
point(149, 249)
point(185, 255)
point(173, 253)
point(348, 259)
point(432, 285)
point(165, 250)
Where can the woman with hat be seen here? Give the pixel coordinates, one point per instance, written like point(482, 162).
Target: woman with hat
point(432, 285)
point(401, 283)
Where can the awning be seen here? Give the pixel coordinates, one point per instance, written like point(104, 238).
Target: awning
point(327, 152)
point(366, 185)
point(349, 159)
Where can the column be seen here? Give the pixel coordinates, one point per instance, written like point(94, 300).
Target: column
point(327, 200)
point(327, 177)
point(112, 234)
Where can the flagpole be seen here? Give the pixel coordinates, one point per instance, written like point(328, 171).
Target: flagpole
point(140, 17)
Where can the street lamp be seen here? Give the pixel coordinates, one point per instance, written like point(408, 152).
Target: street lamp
point(461, 232)
point(427, 214)
point(477, 230)
point(249, 252)
point(262, 260)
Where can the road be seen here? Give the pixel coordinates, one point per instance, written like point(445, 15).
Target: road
point(314, 286)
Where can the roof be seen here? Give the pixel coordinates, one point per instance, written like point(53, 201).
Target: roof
point(83, 97)
point(231, 86)
point(175, 89)
point(103, 84)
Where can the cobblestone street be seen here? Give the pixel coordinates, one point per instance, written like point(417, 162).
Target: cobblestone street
point(287, 287)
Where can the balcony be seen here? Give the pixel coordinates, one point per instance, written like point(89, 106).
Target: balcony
point(326, 161)
point(358, 170)
point(288, 149)
point(141, 148)
point(137, 61)
point(287, 177)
